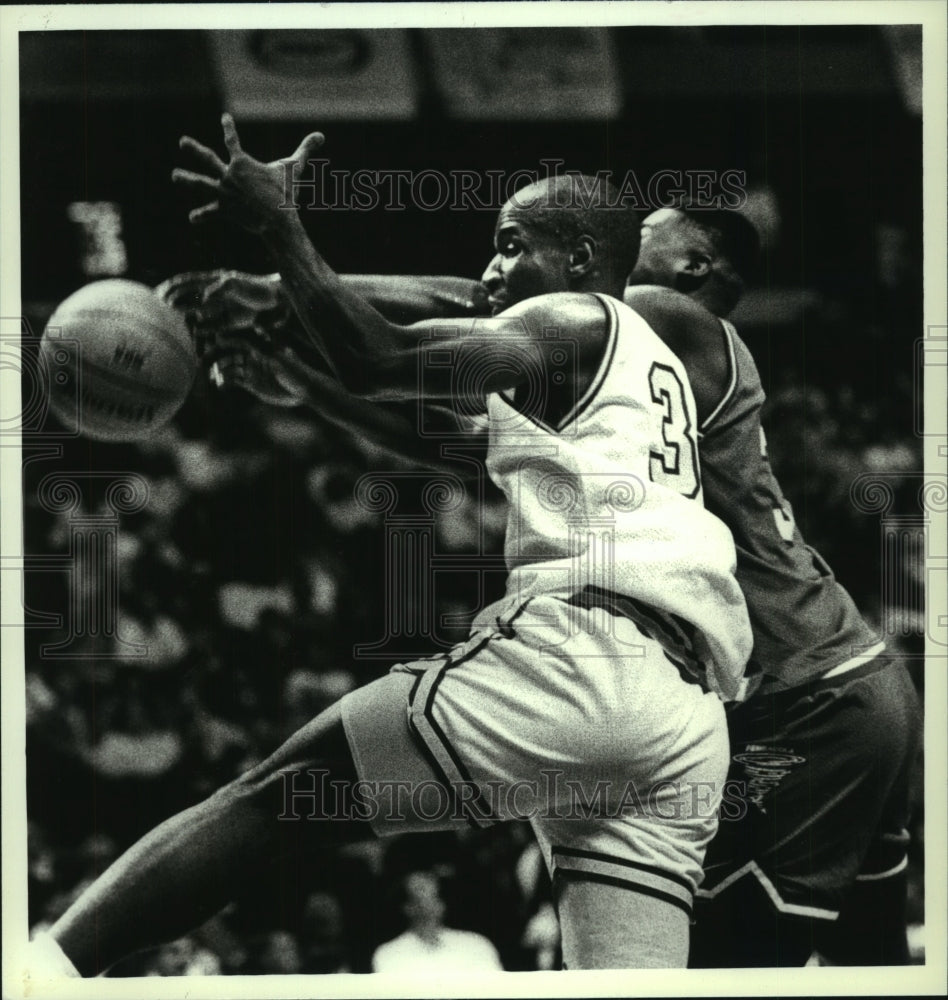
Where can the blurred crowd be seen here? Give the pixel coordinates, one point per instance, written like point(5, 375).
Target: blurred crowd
point(250, 574)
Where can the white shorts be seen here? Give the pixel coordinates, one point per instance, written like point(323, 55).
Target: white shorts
point(568, 717)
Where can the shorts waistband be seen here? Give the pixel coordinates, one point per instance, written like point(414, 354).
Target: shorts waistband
point(855, 661)
point(823, 682)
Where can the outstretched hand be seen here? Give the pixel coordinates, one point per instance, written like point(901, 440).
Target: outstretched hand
point(257, 196)
point(237, 322)
point(274, 375)
point(221, 305)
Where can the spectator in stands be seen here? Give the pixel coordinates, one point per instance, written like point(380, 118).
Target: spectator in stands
point(428, 946)
point(324, 946)
point(184, 957)
point(279, 954)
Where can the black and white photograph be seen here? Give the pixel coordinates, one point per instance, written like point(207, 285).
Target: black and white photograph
point(474, 499)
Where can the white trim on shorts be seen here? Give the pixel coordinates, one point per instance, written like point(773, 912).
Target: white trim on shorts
point(780, 904)
point(877, 876)
point(855, 661)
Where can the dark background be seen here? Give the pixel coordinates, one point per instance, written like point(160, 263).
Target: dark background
point(814, 115)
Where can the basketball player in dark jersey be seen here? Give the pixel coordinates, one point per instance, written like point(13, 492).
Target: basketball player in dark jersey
point(816, 859)
point(826, 744)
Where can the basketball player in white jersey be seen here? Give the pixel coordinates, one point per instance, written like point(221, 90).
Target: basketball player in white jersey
point(587, 700)
point(825, 747)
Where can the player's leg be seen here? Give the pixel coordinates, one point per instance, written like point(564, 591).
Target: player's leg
point(871, 926)
point(542, 713)
point(191, 865)
point(654, 933)
point(741, 928)
point(625, 863)
point(737, 923)
point(187, 868)
point(871, 929)
point(819, 765)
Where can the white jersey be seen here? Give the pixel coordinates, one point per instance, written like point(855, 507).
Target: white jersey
point(605, 507)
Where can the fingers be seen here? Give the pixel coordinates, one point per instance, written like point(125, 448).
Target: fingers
point(293, 364)
point(187, 283)
point(196, 182)
point(308, 147)
point(236, 369)
point(218, 309)
point(246, 342)
point(208, 157)
point(231, 139)
point(248, 290)
point(198, 215)
point(229, 368)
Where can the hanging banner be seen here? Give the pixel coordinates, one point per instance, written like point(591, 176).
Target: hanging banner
point(526, 73)
point(333, 74)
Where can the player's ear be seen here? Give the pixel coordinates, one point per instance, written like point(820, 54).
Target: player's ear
point(582, 256)
point(697, 265)
point(692, 270)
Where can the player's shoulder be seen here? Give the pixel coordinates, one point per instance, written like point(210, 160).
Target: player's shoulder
point(580, 316)
point(675, 317)
point(570, 308)
point(694, 334)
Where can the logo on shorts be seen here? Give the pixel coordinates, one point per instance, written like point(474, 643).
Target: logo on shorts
point(765, 768)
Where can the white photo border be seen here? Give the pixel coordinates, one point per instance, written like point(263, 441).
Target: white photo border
point(930, 978)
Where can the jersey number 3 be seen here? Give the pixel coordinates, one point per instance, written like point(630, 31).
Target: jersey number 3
point(675, 464)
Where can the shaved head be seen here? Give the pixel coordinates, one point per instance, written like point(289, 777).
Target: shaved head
point(570, 206)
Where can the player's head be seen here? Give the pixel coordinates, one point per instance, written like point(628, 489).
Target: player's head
point(707, 254)
point(567, 233)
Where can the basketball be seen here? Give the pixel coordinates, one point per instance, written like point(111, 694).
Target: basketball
point(120, 361)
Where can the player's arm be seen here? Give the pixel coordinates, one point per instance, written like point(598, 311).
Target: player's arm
point(372, 356)
point(225, 303)
point(457, 358)
point(237, 300)
point(280, 378)
point(693, 333)
point(404, 298)
point(239, 323)
point(437, 359)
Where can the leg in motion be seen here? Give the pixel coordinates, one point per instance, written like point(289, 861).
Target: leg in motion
point(607, 927)
point(187, 868)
